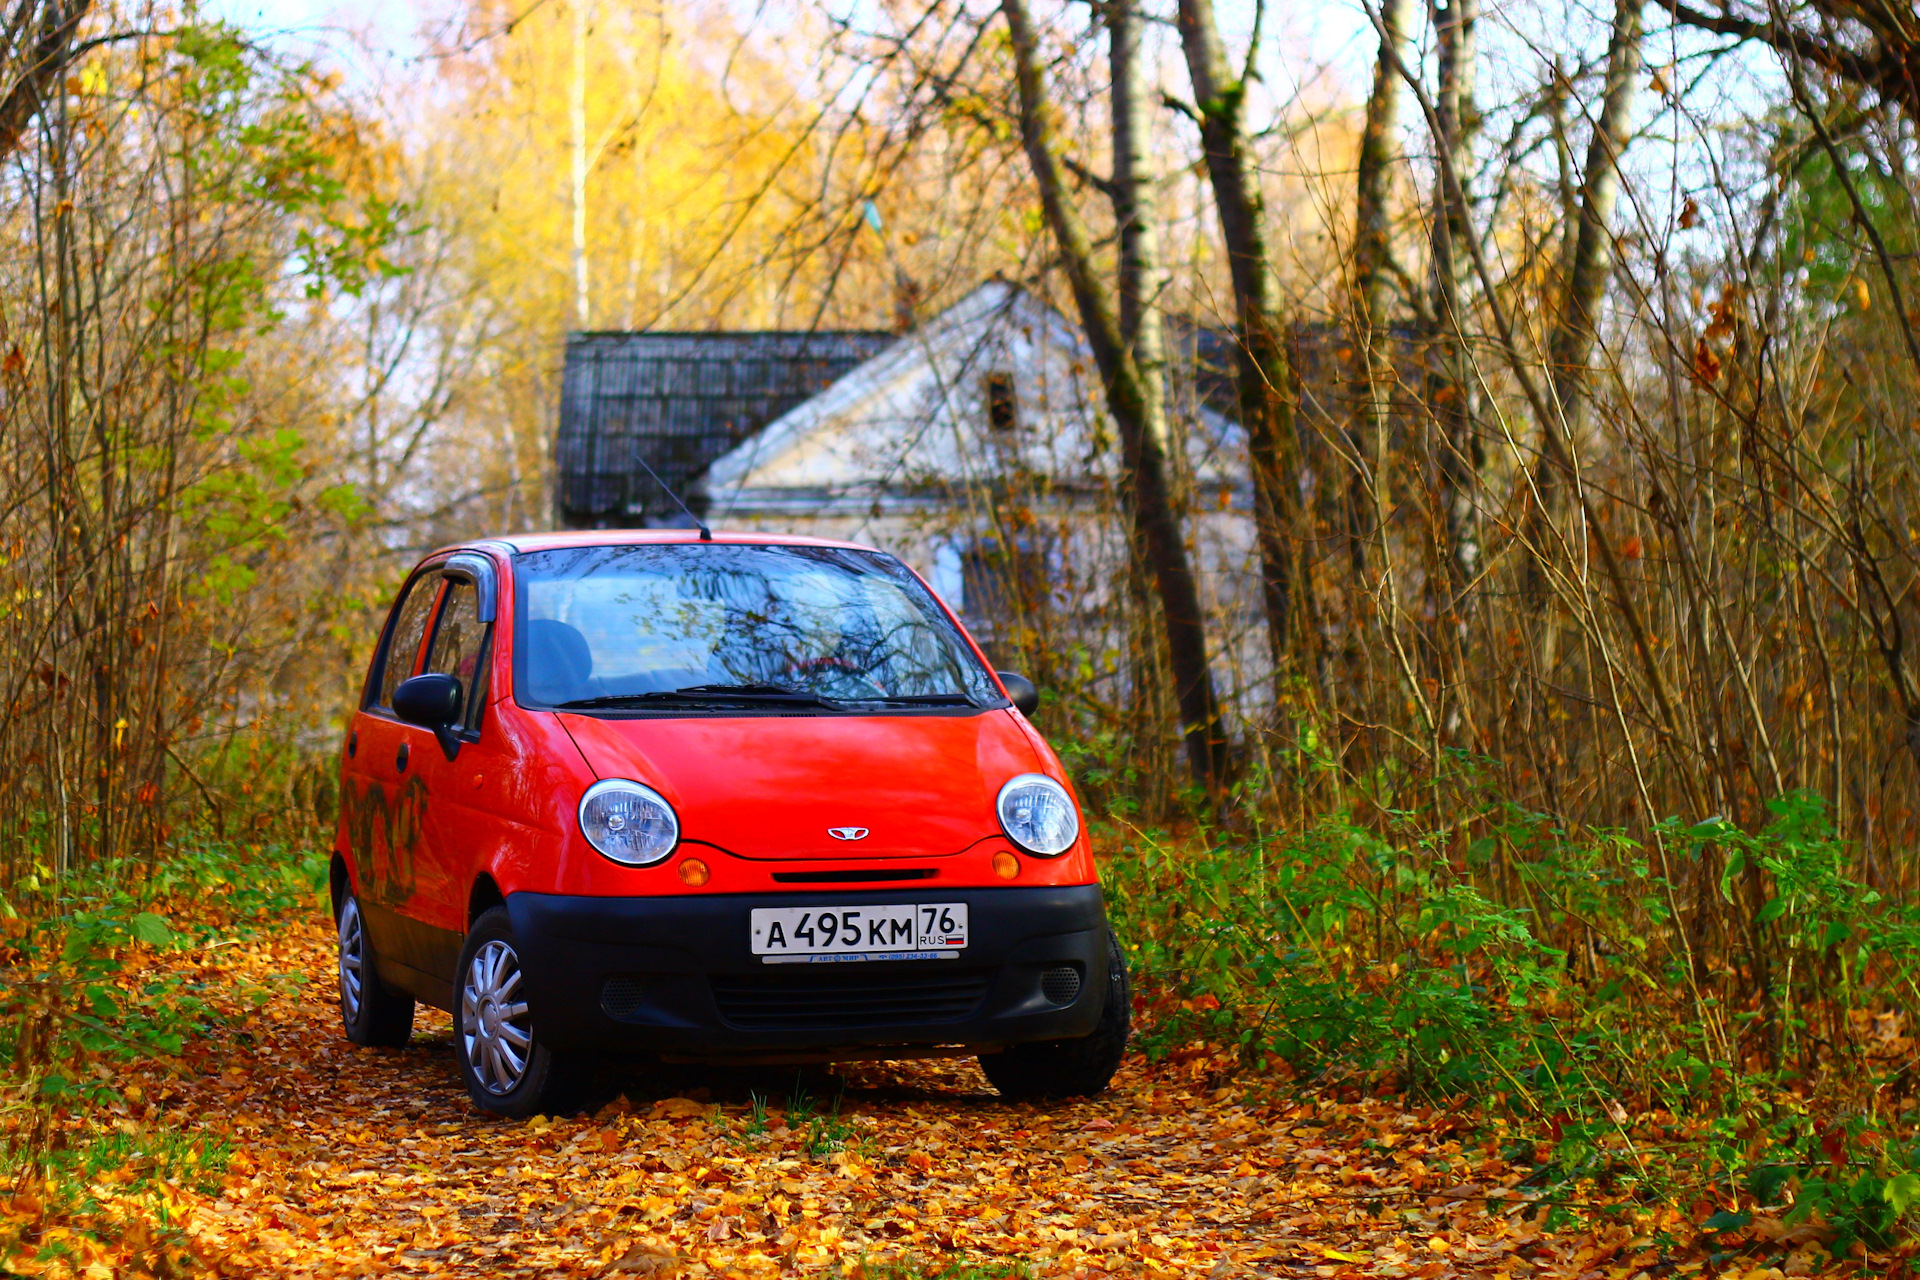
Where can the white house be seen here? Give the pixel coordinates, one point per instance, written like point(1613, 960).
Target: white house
point(975, 447)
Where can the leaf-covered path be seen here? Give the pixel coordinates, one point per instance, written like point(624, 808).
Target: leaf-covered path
point(350, 1161)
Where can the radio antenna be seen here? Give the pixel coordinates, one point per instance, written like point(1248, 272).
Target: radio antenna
point(706, 534)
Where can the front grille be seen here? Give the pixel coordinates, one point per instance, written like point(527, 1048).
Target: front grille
point(621, 997)
point(859, 876)
point(1060, 984)
point(841, 1001)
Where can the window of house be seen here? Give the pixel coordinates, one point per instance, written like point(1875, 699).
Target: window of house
point(1002, 408)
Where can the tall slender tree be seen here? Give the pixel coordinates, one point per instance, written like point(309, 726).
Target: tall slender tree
point(1134, 394)
point(1450, 383)
point(1585, 270)
point(1372, 276)
point(1265, 367)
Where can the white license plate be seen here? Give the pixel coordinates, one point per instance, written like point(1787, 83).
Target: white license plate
point(824, 935)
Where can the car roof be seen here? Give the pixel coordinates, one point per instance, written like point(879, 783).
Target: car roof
point(523, 542)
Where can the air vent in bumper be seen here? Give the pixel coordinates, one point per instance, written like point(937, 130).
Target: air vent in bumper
point(841, 1001)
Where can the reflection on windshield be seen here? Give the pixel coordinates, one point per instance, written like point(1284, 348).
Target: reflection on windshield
point(622, 622)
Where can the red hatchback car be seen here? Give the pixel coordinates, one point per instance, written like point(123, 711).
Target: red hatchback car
point(717, 799)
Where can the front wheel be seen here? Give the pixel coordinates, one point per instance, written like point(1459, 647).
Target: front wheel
point(506, 1069)
point(1070, 1068)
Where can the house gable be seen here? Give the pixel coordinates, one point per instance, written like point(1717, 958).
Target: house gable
point(998, 383)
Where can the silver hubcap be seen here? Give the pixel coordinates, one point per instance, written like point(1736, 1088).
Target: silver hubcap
point(353, 959)
point(494, 1029)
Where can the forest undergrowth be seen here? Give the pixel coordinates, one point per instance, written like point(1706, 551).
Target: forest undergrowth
point(1707, 1030)
point(1591, 1072)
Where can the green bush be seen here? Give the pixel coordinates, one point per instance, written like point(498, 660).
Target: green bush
point(1701, 994)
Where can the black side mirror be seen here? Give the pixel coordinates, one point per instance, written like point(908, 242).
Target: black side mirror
point(1018, 687)
point(432, 701)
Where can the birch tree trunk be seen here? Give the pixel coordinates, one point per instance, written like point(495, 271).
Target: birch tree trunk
point(1142, 275)
point(1450, 383)
point(1137, 406)
point(1372, 250)
point(1587, 267)
point(1265, 369)
point(577, 121)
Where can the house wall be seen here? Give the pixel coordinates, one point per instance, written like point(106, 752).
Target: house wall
point(1085, 614)
point(1014, 523)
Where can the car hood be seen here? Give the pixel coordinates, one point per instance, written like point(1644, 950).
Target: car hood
point(774, 787)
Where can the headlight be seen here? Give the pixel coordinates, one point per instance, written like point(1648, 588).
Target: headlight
point(1038, 815)
point(628, 822)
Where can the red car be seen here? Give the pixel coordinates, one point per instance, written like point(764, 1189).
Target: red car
point(718, 799)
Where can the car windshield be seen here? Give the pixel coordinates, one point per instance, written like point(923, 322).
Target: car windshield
point(673, 626)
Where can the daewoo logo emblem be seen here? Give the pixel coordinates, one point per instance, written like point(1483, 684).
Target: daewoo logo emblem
point(847, 833)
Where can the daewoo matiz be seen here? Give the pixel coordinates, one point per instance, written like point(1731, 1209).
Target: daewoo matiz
point(716, 799)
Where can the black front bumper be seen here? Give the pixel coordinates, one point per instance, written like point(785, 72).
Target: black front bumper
point(677, 976)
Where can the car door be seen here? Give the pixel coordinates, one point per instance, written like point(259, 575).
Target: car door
point(384, 799)
point(461, 825)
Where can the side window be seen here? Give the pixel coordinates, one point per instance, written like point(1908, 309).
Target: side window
point(457, 641)
point(409, 629)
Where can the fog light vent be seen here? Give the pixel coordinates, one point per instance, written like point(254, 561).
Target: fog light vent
point(1061, 984)
point(621, 997)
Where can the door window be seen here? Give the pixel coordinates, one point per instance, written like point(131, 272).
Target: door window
point(457, 644)
point(409, 629)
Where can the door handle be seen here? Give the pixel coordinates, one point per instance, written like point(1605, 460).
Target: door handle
point(400, 758)
point(353, 744)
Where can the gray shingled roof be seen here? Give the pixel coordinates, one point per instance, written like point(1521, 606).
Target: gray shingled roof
point(679, 400)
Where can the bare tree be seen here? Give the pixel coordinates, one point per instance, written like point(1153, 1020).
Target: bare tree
point(1588, 266)
point(1875, 44)
point(38, 40)
point(1373, 272)
point(1265, 370)
point(1451, 387)
point(1134, 396)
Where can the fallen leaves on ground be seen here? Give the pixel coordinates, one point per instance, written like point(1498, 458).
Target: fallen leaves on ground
point(355, 1162)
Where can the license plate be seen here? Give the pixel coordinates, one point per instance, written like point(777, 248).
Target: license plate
point(829, 934)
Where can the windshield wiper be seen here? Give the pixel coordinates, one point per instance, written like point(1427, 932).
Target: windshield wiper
point(702, 693)
point(758, 694)
point(917, 700)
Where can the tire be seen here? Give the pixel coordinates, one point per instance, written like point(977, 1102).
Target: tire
point(506, 1069)
point(369, 1012)
point(1070, 1068)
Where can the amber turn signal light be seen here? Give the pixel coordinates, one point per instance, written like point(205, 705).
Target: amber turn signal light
point(1005, 865)
point(694, 872)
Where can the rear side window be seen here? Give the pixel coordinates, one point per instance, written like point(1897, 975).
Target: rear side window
point(409, 629)
point(457, 640)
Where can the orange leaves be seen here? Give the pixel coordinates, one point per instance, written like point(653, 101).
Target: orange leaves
point(359, 1162)
point(1706, 364)
point(1722, 314)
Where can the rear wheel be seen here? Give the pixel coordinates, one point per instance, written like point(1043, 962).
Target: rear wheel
point(506, 1069)
point(371, 1014)
point(1070, 1068)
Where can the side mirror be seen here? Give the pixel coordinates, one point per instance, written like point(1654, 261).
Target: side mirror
point(432, 701)
point(1019, 689)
